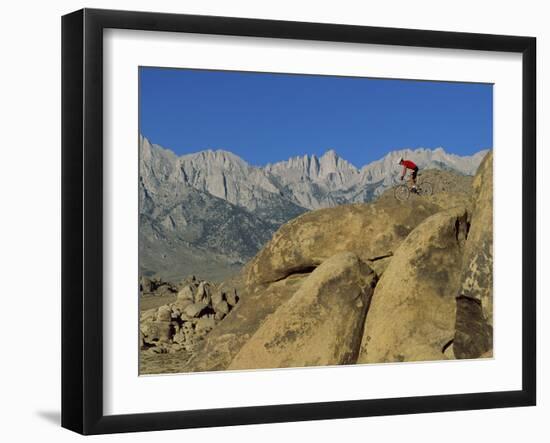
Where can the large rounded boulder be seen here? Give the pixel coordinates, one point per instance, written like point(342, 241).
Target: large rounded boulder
point(320, 324)
point(412, 312)
point(368, 230)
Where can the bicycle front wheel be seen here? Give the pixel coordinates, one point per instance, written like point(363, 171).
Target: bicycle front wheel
point(401, 192)
point(426, 188)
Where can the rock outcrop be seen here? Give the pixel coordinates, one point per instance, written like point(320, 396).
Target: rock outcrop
point(369, 231)
point(387, 281)
point(320, 324)
point(474, 319)
point(252, 310)
point(412, 313)
point(183, 324)
point(155, 286)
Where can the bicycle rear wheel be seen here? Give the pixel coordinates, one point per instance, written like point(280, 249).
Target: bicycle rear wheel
point(401, 192)
point(425, 188)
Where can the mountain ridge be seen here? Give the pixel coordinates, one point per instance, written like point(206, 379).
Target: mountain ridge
point(205, 200)
point(330, 152)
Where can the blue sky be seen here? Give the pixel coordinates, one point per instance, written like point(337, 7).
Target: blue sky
point(270, 117)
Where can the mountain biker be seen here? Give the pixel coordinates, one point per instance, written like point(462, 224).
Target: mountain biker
point(408, 164)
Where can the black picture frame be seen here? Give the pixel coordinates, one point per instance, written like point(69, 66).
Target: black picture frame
point(82, 215)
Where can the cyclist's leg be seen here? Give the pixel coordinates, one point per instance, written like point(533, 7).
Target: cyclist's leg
point(412, 184)
point(413, 178)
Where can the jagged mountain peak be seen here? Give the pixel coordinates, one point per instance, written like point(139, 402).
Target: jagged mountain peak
point(330, 153)
point(331, 162)
point(219, 154)
point(148, 149)
point(211, 157)
point(311, 167)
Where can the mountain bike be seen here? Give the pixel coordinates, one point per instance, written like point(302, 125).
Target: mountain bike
point(402, 191)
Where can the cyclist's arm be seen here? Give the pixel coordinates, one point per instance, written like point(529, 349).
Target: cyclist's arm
point(404, 172)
